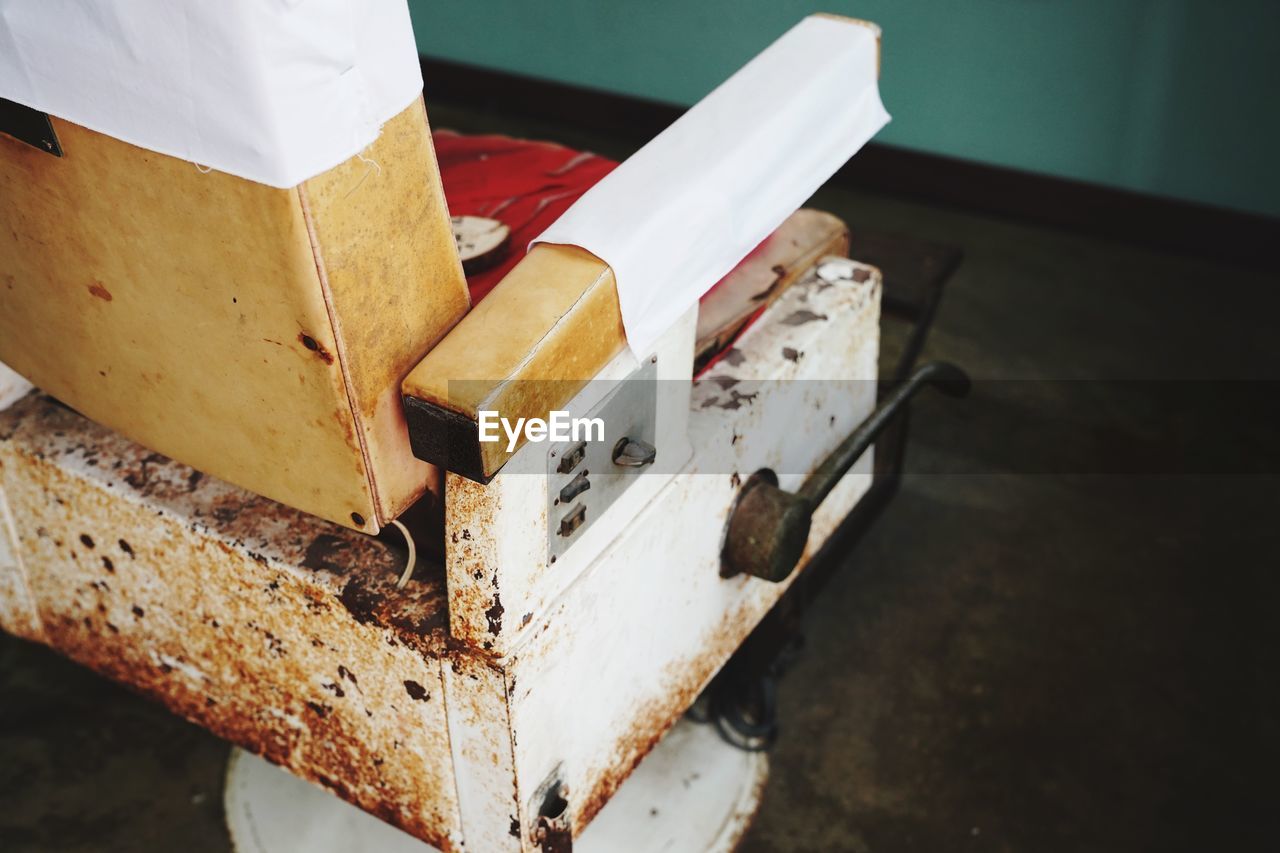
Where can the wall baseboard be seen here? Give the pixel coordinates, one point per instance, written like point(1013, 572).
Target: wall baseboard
point(1165, 224)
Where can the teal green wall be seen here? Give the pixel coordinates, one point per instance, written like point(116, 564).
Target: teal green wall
point(1172, 97)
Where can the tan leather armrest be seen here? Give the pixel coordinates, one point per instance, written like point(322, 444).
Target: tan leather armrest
point(553, 324)
point(529, 347)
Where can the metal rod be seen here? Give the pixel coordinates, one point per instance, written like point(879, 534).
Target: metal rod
point(944, 376)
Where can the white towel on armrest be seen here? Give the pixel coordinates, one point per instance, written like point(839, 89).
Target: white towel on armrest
point(684, 210)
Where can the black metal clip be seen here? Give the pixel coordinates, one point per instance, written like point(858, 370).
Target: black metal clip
point(30, 126)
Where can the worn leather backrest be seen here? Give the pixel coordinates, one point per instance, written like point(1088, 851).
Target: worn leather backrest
point(257, 334)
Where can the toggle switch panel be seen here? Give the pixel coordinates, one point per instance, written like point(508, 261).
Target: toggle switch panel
point(585, 477)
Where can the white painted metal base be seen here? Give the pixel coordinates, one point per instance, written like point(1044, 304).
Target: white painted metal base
point(693, 794)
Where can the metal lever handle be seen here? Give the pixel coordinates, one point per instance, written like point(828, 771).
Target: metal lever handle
point(634, 453)
point(768, 527)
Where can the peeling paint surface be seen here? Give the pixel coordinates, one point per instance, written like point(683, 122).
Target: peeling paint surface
point(496, 543)
point(273, 629)
point(285, 634)
point(623, 652)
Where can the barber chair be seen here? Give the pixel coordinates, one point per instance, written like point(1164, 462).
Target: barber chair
point(243, 388)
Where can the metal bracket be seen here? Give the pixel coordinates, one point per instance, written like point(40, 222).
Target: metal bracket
point(30, 126)
point(585, 477)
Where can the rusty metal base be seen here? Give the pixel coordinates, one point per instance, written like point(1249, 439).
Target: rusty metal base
point(693, 794)
point(290, 637)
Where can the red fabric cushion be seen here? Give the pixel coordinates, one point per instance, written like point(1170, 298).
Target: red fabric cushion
point(525, 185)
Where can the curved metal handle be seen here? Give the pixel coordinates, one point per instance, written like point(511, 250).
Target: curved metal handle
point(768, 527)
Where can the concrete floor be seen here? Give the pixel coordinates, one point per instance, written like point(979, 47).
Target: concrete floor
point(1059, 636)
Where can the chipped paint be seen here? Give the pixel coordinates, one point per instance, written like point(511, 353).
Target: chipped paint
point(200, 595)
point(496, 546)
point(286, 634)
point(625, 650)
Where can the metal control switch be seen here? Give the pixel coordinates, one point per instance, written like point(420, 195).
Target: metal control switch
point(634, 453)
point(572, 457)
point(575, 487)
point(571, 522)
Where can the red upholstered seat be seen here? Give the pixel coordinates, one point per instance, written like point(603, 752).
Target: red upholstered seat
point(525, 185)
